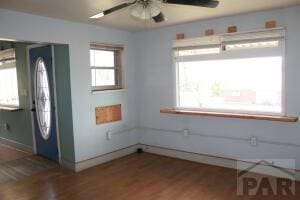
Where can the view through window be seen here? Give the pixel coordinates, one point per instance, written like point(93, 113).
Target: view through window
point(252, 84)
point(105, 64)
point(8, 80)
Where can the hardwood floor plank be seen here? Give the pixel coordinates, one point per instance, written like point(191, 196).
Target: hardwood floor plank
point(134, 177)
point(7, 154)
point(16, 165)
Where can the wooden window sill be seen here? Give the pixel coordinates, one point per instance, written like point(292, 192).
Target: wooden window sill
point(108, 91)
point(9, 109)
point(231, 115)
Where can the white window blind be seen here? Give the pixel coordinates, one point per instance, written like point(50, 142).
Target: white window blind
point(238, 72)
point(8, 79)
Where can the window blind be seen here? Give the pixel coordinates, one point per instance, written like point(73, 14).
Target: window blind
point(258, 43)
point(218, 40)
point(7, 59)
point(111, 47)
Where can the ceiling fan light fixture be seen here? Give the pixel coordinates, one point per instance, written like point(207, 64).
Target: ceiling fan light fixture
point(154, 9)
point(145, 12)
point(149, 10)
point(139, 11)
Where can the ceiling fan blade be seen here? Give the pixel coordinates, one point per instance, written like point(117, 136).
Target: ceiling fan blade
point(201, 3)
point(116, 8)
point(113, 9)
point(159, 18)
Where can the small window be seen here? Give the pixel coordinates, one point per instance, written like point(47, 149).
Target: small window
point(241, 76)
point(8, 79)
point(105, 61)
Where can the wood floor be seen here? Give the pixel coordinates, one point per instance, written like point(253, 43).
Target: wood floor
point(134, 177)
point(7, 154)
point(16, 165)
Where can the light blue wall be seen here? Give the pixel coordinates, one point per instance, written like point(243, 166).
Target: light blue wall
point(89, 138)
point(149, 87)
point(156, 91)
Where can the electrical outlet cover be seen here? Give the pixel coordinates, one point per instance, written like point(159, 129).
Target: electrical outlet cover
point(185, 132)
point(5, 127)
point(108, 135)
point(253, 141)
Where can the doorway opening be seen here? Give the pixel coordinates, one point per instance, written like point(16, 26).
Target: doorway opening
point(31, 114)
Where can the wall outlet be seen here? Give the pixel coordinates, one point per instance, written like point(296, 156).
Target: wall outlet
point(108, 135)
point(6, 127)
point(186, 132)
point(253, 141)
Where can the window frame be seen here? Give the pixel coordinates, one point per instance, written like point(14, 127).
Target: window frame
point(281, 49)
point(118, 60)
point(9, 57)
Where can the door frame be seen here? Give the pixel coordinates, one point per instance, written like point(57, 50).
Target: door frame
point(31, 93)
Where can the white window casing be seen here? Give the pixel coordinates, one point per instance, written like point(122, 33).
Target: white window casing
point(251, 44)
point(116, 68)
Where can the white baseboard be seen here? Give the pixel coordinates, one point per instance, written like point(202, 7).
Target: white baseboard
point(217, 161)
point(85, 164)
point(17, 145)
point(200, 158)
point(67, 164)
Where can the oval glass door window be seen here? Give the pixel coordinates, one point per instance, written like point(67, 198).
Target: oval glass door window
point(42, 98)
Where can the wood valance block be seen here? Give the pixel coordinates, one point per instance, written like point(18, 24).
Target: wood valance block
point(271, 24)
point(179, 36)
point(209, 32)
point(232, 29)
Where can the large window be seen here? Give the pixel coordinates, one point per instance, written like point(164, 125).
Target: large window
point(8, 79)
point(105, 61)
point(241, 73)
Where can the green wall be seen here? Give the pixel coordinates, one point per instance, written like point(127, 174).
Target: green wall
point(19, 122)
point(64, 104)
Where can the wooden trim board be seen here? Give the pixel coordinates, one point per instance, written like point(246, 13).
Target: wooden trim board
point(231, 115)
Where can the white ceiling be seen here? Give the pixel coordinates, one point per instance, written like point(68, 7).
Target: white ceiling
point(81, 10)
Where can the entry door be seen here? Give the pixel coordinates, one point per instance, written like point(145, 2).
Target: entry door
point(43, 103)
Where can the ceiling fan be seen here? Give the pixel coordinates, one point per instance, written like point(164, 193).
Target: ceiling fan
point(149, 9)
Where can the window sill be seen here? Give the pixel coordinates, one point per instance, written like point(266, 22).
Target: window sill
point(9, 109)
point(108, 91)
point(231, 115)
